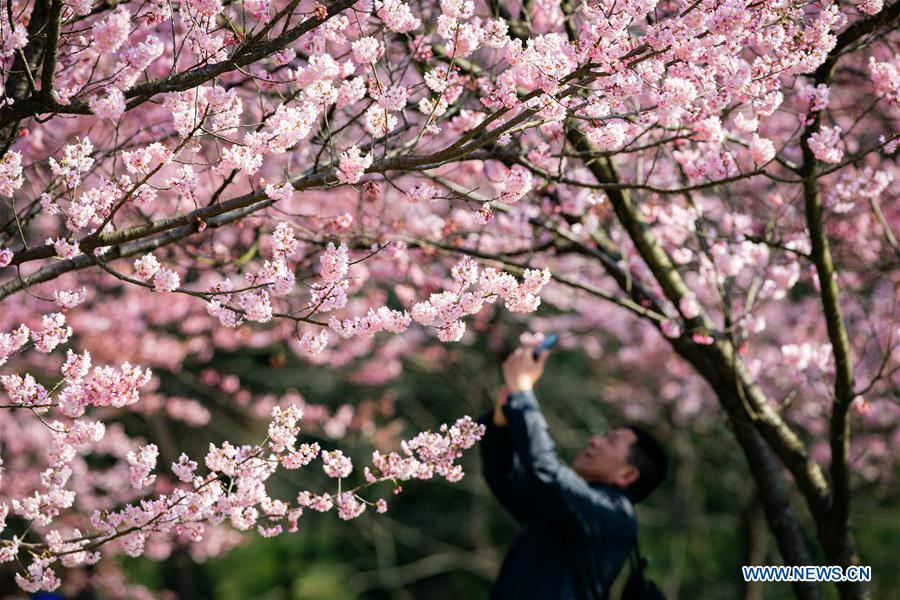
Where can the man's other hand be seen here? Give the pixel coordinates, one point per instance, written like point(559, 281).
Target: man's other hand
point(521, 371)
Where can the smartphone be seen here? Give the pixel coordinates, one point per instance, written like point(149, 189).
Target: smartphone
point(549, 341)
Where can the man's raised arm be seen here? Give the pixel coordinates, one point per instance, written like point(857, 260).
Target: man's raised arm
point(498, 464)
point(590, 509)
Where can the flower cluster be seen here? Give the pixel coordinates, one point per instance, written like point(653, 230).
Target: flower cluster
point(274, 278)
point(428, 454)
point(109, 107)
point(64, 249)
point(10, 173)
point(67, 299)
point(76, 161)
point(329, 292)
point(517, 184)
point(336, 464)
point(111, 33)
point(824, 144)
point(53, 332)
point(886, 78)
point(422, 192)
point(443, 310)
point(762, 150)
point(12, 341)
point(800, 357)
point(164, 280)
point(397, 15)
point(352, 165)
point(145, 160)
point(367, 50)
point(141, 463)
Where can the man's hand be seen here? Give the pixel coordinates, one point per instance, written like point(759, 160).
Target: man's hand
point(521, 371)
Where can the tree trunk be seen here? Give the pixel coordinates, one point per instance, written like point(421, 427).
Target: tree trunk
point(776, 504)
point(840, 549)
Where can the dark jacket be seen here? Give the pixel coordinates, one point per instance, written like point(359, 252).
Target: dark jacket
point(575, 536)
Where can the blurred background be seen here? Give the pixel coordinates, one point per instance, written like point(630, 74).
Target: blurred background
point(446, 541)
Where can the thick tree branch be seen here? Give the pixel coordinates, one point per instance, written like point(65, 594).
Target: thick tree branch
point(20, 80)
point(125, 250)
point(888, 17)
point(48, 71)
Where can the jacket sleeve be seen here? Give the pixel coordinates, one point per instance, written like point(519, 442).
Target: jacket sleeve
point(589, 510)
point(502, 473)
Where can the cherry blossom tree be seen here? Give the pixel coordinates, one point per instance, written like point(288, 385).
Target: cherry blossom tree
point(712, 183)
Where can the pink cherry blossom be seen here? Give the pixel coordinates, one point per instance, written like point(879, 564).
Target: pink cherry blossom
point(517, 184)
point(52, 333)
point(825, 145)
point(10, 173)
point(146, 267)
point(110, 33)
point(397, 16)
point(336, 464)
point(393, 98)
point(815, 97)
point(64, 249)
point(166, 280)
point(689, 306)
point(609, 136)
point(761, 150)
point(367, 50)
point(109, 107)
point(670, 328)
point(12, 341)
point(335, 263)
point(13, 38)
point(349, 507)
point(886, 78)
point(184, 468)
point(422, 192)
point(380, 122)
point(70, 299)
point(871, 7)
point(75, 161)
point(205, 8)
point(352, 165)
point(142, 462)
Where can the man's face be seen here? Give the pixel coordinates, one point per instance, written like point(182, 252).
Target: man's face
point(605, 459)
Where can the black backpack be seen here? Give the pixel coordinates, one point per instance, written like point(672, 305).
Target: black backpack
point(638, 587)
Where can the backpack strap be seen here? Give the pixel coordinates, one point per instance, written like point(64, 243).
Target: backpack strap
point(638, 562)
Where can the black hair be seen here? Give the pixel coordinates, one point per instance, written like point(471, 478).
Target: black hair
point(649, 458)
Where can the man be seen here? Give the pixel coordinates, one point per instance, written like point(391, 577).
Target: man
point(579, 525)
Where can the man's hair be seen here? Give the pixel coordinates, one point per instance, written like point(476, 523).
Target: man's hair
point(649, 458)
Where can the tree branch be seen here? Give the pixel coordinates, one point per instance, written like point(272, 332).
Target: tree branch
point(49, 68)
